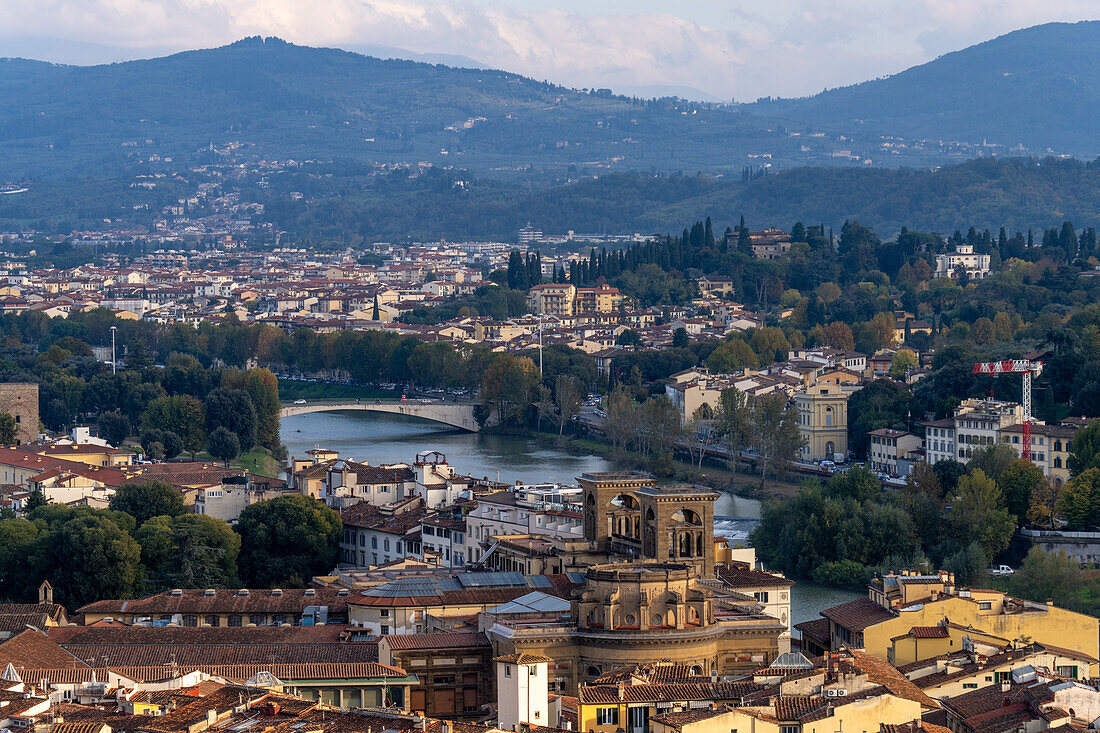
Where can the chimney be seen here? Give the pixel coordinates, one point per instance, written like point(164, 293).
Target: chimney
point(45, 592)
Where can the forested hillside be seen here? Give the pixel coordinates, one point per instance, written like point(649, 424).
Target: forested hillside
point(1018, 194)
point(1036, 86)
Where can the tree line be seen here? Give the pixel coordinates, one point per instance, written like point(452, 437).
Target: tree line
point(148, 541)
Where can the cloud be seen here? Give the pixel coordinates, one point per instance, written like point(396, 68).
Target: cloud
point(744, 48)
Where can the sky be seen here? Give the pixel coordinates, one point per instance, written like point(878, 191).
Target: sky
point(726, 49)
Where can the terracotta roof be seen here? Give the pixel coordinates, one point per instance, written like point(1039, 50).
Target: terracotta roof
point(679, 720)
point(524, 658)
point(736, 576)
point(817, 629)
point(718, 691)
point(795, 707)
point(238, 672)
point(223, 600)
point(197, 635)
point(30, 649)
point(857, 615)
point(455, 640)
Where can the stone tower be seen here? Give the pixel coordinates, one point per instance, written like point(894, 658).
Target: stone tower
point(20, 400)
point(604, 494)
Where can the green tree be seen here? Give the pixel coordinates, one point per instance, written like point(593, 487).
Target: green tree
point(143, 500)
point(775, 432)
point(630, 338)
point(993, 460)
point(730, 356)
point(567, 397)
point(1085, 449)
point(36, 499)
point(680, 338)
point(88, 557)
point(1043, 509)
point(263, 388)
point(733, 420)
point(114, 427)
point(180, 414)
point(1047, 575)
point(17, 536)
point(1079, 504)
point(188, 551)
point(231, 409)
point(1017, 483)
point(224, 445)
point(977, 514)
point(507, 386)
point(9, 431)
point(902, 362)
point(286, 541)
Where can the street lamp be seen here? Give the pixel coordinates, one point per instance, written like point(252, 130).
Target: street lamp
point(114, 362)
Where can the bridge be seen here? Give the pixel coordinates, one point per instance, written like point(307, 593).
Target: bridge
point(456, 414)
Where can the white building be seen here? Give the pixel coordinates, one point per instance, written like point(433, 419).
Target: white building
point(505, 513)
point(976, 265)
point(889, 446)
point(522, 691)
point(436, 482)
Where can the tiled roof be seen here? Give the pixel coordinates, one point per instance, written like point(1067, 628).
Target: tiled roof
point(457, 640)
point(742, 577)
point(223, 600)
point(928, 632)
point(239, 672)
point(857, 615)
point(31, 649)
point(523, 658)
point(698, 691)
point(679, 720)
point(198, 635)
point(817, 629)
point(794, 707)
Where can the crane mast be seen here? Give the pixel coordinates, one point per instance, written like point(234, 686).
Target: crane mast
point(1026, 368)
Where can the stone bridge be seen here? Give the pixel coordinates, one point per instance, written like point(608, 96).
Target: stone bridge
point(456, 414)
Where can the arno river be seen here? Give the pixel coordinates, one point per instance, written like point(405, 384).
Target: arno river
point(380, 438)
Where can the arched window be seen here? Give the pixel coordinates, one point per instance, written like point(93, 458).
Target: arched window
point(1058, 462)
point(828, 417)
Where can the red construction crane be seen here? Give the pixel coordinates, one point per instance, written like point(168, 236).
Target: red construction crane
point(1018, 366)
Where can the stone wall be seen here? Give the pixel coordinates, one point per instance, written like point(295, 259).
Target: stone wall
point(20, 400)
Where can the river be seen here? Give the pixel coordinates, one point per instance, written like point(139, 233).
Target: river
point(382, 438)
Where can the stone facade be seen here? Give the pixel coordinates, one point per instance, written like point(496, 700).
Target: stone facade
point(630, 614)
point(626, 514)
point(20, 400)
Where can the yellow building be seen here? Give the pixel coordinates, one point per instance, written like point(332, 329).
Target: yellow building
point(883, 623)
point(600, 299)
point(823, 421)
point(553, 299)
point(981, 666)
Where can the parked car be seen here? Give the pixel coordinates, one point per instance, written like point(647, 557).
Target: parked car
point(299, 402)
point(1001, 570)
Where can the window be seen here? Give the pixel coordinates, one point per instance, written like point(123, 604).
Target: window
point(190, 620)
point(1070, 672)
point(362, 540)
point(985, 605)
point(443, 679)
point(507, 670)
point(386, 544)
point(384, 631)
point(607, 716)
point(384, 613)
point(761, 596)
point(374, 543)
point(211, 620)
point(234, 620)
point(256, 619)
point(970, 685)
point(279, 619)
point(533, 670)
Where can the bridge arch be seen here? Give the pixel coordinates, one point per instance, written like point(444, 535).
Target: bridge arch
point(455, 414)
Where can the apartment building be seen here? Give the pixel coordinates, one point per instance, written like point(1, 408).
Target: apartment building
point(823, 422)
point(888, 447)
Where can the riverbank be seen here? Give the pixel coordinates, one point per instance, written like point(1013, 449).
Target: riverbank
point(721, 479)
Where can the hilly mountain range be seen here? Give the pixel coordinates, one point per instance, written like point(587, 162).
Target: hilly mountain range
point(1038, 87)
point(265, 98)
